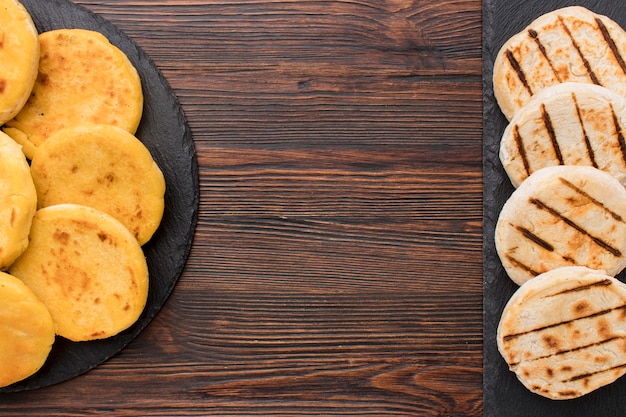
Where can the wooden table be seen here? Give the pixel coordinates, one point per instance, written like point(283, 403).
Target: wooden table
point(337, 263)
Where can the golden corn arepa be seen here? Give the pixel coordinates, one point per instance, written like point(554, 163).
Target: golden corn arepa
point(26, 331)
point(567, 124)
point(82, 79)
point(19, 57)
point(104, 167)
point(18, 201)
point(564, 332)
point(564, 215)
point(568, 44)
point(87, 268)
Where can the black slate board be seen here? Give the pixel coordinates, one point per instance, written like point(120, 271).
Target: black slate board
point(165, 133)
point(504, 395)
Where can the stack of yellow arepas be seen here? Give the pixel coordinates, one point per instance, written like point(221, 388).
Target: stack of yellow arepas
point(73, 222)
point(561, 236)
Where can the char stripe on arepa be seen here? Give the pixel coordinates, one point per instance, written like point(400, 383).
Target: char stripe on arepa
point(519, 264)
point(535, 36)
point(547, 121)
point(611, 43)
point(542, 243)
point(595, 201)
point(518, 70)
point(592, 75)
point(534, 238)
point(620, 135)
point(576, 349)
point(513, 336)
point(603, 283)
point(590, 374)
point(590, 152)
point(541, 205)
point(521, 149)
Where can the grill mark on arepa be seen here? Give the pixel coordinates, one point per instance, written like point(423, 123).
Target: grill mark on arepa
point(547, 121)
point(590, 72)
point(534, 238)
point(590, 374)
point(603, 283)
point(620, 134)
point(598, 203)
point(519, 141)
point(512, 336)
point(535, 36)
point(539, 241)
point(590, 151)
point(518, 70)
point(542, 206)
point(611, 43)
point(519, 264)
point(566, 351)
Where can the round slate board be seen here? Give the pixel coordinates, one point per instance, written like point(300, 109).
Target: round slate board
point(165, 133)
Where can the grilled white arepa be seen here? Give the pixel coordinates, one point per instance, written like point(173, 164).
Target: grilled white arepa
point(567, 124)
point(564, 215)
point(567, 44)
point(564, 332)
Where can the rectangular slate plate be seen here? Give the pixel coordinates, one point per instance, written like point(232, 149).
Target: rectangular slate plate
point(504, 395)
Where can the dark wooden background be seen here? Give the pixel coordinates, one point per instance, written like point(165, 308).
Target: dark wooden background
point(337, 264)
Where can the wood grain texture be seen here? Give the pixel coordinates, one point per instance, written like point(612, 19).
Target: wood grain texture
point(337, 264)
